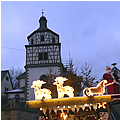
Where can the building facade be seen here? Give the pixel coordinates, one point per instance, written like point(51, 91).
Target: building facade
point(43, 53)
point(6, 83)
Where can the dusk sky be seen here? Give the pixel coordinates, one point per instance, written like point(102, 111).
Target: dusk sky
point(89, 31)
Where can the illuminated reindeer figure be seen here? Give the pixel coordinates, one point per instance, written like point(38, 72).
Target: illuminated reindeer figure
point(98, 90)
point(40, 93)
point(63, 90)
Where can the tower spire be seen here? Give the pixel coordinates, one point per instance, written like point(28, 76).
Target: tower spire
point(42, 12)
point(43, 21)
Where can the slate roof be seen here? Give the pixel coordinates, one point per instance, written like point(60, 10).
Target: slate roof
point(42, 28)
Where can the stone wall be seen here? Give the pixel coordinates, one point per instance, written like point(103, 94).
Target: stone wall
point(17, 115)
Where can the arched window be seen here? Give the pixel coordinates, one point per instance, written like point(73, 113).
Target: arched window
point(43, 77)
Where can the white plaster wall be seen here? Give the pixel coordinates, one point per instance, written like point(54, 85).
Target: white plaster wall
point(5, 83)
point(35, 73)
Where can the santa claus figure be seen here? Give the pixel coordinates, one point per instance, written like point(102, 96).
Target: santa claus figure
point(113, 81)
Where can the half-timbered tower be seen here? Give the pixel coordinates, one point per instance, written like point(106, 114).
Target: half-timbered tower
point(43, 53)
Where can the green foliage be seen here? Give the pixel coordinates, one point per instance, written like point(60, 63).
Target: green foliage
point(88, 77)
point(79, 82)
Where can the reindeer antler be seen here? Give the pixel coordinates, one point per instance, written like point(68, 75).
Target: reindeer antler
point(60, 79)
point(37, 83)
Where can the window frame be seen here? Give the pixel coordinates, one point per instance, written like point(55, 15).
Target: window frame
point(53, 39)
point(31, 41)
point(42, 38)
point(7, 78)
point(6, 89)
point(40, 56)
point(43, 56)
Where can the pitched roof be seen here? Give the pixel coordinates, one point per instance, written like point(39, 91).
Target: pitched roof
point(3, 73)
point(42, 30)
point(21, 76)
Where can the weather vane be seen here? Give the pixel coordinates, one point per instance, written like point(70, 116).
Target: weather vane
point(42, 11)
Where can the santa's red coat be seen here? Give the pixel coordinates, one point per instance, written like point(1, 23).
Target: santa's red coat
point(112, 85)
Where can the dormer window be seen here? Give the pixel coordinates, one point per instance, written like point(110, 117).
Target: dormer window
point(42, 37)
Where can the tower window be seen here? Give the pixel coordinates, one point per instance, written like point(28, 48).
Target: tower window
point(42, 37)
point(32, 42)
point(53, 39)
point(43, 56)
point(40, 56)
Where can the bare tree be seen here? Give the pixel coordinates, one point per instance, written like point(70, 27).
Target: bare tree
point(88, 77)
point(14, 73)
point(73, 79)
point(49, 83)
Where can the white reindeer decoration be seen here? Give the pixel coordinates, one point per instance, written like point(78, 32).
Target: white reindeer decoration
point(40, 93)
point(63, 90)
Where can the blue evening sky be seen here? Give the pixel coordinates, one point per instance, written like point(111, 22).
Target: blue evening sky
point(89, 31)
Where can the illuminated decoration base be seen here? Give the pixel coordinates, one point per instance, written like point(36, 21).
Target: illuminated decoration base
point(69, 101)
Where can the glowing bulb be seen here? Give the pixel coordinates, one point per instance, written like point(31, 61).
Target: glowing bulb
point(64, 116)
point(41, 109)
point(90, 104)
point(102, 105)
point(69, 107)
